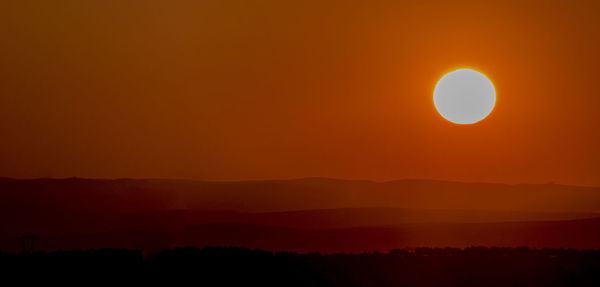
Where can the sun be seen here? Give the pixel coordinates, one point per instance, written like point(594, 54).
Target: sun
point(464, 96)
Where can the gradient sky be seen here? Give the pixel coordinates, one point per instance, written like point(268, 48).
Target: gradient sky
point(238, 89)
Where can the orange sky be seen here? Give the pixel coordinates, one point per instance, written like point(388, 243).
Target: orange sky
point(237, 89)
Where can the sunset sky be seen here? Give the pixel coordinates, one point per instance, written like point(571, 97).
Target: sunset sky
point(270, 89)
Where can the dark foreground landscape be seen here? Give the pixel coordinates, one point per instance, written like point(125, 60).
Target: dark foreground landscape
point(232, 266)
point(366, 233)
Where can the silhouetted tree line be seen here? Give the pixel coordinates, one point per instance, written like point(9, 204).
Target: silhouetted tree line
point(232, 266)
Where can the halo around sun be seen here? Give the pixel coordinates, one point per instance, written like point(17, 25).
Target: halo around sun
point(464, 96)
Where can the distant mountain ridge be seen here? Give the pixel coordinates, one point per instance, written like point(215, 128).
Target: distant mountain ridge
point(132, 195)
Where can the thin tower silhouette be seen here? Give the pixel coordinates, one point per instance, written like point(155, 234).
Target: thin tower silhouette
point(31, 247)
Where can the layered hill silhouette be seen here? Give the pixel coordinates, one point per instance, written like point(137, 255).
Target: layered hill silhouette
point(295, 215)
point(579, 234)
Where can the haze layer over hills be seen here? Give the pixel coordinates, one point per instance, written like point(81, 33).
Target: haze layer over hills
point(302, 215)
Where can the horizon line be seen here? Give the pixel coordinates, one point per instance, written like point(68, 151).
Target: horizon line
point(289, 180)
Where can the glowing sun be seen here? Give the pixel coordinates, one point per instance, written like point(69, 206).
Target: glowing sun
point(464, 96)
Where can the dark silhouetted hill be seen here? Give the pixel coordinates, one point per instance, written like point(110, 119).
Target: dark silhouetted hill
point(232, 266)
